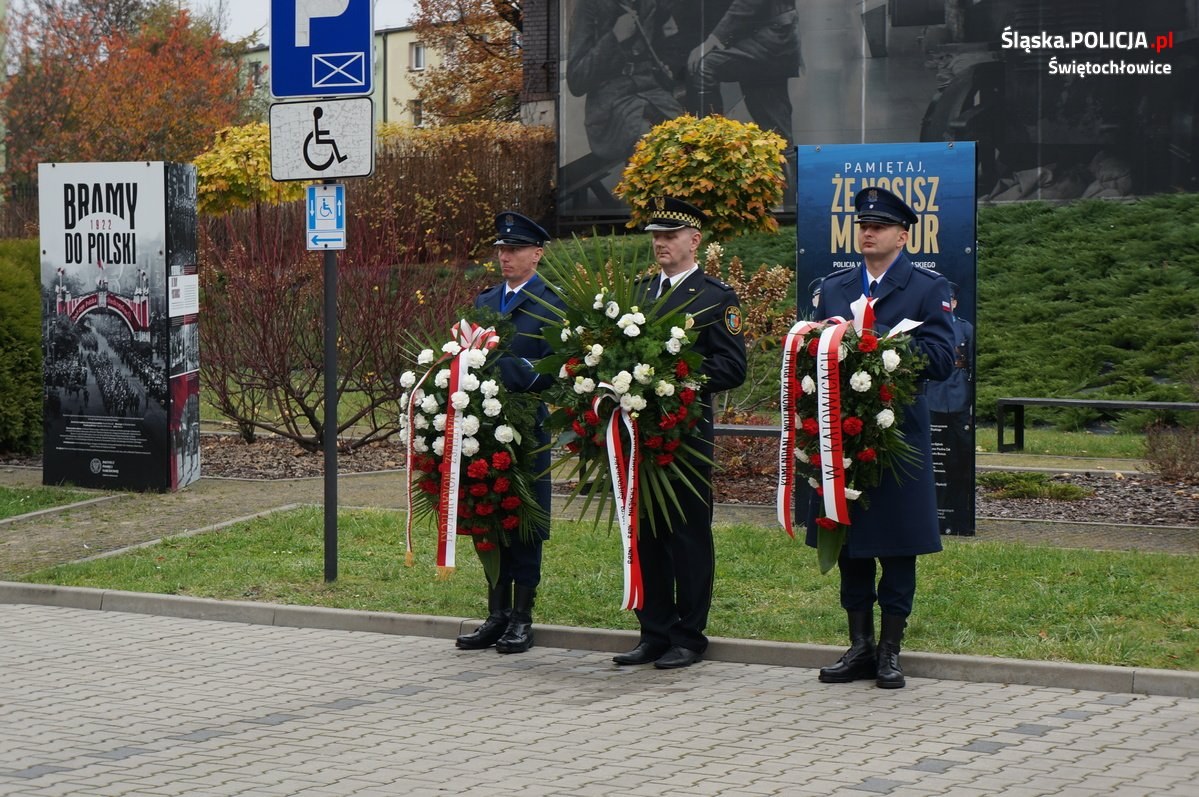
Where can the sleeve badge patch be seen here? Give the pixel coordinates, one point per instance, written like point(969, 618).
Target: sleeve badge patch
point(733, 319)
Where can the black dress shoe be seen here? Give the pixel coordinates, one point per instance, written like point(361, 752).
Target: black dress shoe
point(678, 657)
point(644, 653)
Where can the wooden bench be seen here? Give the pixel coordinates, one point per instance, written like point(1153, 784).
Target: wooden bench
point(1017, 406)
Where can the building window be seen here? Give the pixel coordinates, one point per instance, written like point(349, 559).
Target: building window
point(418, 113)
point(416, 56)
point(257, 74)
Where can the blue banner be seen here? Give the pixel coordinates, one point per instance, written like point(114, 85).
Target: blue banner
point(937, 180)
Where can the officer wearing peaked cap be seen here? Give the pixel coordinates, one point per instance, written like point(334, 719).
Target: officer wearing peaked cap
point(519, 245)
point(678, 561)
point(900, 521)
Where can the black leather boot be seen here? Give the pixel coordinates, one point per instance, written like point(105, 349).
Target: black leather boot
point(889, 674)
point(499, 610)
point(859, 662)
point(518, 637)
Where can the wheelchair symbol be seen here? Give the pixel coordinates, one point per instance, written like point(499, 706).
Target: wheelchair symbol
point(321, 138)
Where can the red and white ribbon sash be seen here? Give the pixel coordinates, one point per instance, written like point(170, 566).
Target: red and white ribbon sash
point(624, 467)
point(468, 336)
point(789, 393)
point(828, 418)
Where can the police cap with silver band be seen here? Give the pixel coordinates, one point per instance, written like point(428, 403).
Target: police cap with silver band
point(880, 206)
point(513, 229)
point(668, 213)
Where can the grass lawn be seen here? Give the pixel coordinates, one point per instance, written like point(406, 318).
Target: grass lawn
point(20, 500)
point(980, 598)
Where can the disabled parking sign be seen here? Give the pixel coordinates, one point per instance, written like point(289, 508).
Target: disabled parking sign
point(326, 217)
point(322, 139)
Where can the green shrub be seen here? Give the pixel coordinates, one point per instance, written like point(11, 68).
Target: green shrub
point(20, 348)
point(1029, 484)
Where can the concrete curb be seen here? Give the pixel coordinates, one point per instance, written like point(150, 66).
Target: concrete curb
point(1063, 675)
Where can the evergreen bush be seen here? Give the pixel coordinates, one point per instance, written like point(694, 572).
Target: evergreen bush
point(20, 348)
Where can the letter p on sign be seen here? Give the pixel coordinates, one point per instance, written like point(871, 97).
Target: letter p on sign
point(307, 10)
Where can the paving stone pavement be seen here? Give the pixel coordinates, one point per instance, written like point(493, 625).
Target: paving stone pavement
point(108, 704)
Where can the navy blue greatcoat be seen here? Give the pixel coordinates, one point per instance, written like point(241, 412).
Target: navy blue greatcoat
point(521, 562)
point(902, 517)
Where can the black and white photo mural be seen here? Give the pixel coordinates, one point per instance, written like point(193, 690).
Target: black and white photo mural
point(1066, 98)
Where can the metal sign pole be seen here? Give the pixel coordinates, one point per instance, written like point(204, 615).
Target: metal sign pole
point(330, 437)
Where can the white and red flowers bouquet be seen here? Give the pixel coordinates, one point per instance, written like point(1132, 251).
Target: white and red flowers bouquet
point(628, 394)
point(469, 447)
point(842, 393)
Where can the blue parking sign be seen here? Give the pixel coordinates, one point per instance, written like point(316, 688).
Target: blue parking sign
point(322, 48)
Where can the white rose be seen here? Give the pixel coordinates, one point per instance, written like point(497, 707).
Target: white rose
point(885, 419)
point(421, 421)
point(599, 302)
point(419, 445)
point(451, 348)
point(802, 455)
point(813, 483)
point(470, 446)
point(626, 402)
point(664, 388)
point(846, 463)
point(425, 357)
point(643, 373)
point(492, 407)
point(439, 446)
point(562, 373)
point(691, 385)
point(470, 426)
point(612, 309)
point(808, 384)
point(690, 322)
point(404, 400)
point(622, 382)
point(842, 352)
point(579, 329)
point(489, 389)
point(403, 435)
point(442, 379)
point(584, 385)
point(429, 405)
point(476, 358)
point(638, 318)
point(890, 360)
point(632, 330)
point(678, 333)
point(504, 434)
point(565, 334)
point(470, 383)
point(460, 400)
point(625, 320)
point(674, 346)
point(860, 381)
point(439, 422)
point(852, 495)
point(407, 379)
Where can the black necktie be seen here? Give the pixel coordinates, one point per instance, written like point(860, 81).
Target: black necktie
point(664, 287)
point(873, 287)
point(508, 297)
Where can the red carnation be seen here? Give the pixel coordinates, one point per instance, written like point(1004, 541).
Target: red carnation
point(868, 342)
point(464, 531)
point(810, 426)
point(570, 412)
point(668, 421)
point(813, 347)
point(867, 455)
point(484, 545)
point(591, 418)
point(483, 510)
point(510, 502)
point(682, 413)
point(478, 531)
point(671, 445)
point(579, 429)
point(664, 459)
point(814, 460)
point(573, 448)
point(826, 523)
point(884, 393)
point(572, 366)
point(654, 442)
point(680, 369)
point(501, 485)
point(510, 522)
point(478, 489)
point(477, 469)
point(686, 395)
point(464, 510)
point(501, 460)
point(852, 425)
point(429, 486)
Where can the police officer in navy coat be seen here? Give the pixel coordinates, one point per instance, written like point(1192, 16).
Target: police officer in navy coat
point(678, 558)
point(519, 246)
point(901, 520)
point(954, 395)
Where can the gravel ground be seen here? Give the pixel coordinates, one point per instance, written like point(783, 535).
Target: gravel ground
point(1115, 498)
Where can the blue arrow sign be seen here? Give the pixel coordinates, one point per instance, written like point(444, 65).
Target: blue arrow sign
point(322, 48)
point(326, 216)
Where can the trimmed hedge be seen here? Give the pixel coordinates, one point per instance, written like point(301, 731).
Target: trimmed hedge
point(20, 348)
